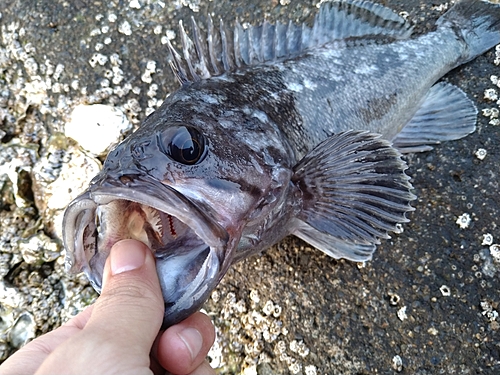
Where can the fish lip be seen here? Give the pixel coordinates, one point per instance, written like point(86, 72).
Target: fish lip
point(81, 212)
point(78, 214)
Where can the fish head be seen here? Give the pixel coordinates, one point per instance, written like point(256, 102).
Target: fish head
point(184, 188)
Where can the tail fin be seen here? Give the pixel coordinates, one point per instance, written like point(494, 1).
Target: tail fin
point(477, 23)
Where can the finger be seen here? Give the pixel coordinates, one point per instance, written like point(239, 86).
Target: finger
point(31, 356)
point(130, 309)
point(155, 366)
point(183, 347)
point(203, 369)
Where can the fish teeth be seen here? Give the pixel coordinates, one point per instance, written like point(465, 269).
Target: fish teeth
point(153, 218)
point(172, 226)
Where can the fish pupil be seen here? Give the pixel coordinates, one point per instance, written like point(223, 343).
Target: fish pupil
point(186, 145)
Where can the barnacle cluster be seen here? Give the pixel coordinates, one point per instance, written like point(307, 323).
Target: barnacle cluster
point(256, 333)
point(490, 95)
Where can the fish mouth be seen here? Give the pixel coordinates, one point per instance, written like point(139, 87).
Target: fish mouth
point(189, 246)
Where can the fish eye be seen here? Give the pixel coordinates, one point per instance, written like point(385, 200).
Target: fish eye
point(183, 144)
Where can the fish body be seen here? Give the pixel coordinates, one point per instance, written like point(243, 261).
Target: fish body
point(277, 130)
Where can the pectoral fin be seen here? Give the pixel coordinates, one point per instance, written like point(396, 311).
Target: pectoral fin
point(354, 191)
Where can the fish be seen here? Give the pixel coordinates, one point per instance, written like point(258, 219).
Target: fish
point(280, 129)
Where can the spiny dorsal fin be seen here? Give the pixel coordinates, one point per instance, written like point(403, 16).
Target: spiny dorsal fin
point(339, 23)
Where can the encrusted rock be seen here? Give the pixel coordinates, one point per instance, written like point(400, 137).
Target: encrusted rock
point(60, 175)
point(39, 248)
point(23, 330)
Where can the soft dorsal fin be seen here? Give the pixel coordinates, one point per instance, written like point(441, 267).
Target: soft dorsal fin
point(446, 114)
point(338, 23)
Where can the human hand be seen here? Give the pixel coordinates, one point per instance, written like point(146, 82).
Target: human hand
point(119, 334)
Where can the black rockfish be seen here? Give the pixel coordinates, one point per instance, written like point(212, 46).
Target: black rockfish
point(276, 130)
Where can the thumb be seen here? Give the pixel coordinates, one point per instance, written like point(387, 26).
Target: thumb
point(130, 310)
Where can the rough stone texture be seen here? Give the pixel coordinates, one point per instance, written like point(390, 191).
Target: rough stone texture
point(426, 304)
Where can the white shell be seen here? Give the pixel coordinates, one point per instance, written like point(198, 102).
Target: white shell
point(97, 127)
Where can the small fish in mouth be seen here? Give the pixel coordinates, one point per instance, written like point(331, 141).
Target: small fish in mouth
point(280, 129)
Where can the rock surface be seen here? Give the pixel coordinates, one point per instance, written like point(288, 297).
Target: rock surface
point(428, 302)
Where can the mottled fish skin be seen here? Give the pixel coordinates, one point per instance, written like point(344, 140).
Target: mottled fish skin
point(393, 72)
point(277, 130)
